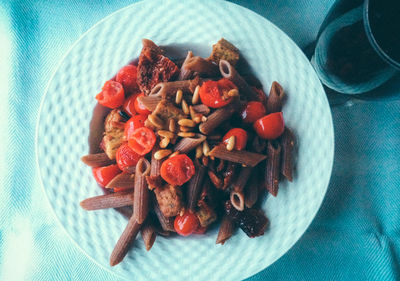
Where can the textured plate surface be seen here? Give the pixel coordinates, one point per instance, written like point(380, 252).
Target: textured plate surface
point(63, 128)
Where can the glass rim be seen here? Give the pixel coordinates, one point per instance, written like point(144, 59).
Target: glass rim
point(372, 40)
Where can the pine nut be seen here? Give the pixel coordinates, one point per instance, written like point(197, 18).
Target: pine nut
point(185, 107)
point(172, 125)
point(174, 154)
point(199, 151)
point(165, 134)
point(185, 129)
point(197, 119)
point(231, 143)
point(162, 153)
point(233, 93)
point(195, 98)
point(192, 112)
point(164, 142)
point(178, 97)
point(187, 123)
point(206, 148)
point(203, 118)
point(186, 134)
point(156, 121)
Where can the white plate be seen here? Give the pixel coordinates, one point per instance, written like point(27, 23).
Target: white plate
point(63, 127)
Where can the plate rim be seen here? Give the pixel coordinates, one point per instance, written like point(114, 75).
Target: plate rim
point(140, 3)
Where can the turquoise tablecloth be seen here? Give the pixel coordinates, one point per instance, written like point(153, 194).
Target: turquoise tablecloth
point(355, 235)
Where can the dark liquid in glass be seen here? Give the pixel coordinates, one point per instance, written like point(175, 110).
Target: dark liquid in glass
point(357, 45)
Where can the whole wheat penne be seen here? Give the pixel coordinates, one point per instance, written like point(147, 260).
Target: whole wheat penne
point(195, 186)
point(229, 174)
point(167, 223)
point(185, 73)
point(202, 109)
point(225, 230)
point(237, 199)
point(238, 156)
point(218, 117)
point(276, 98)
point(229, 72)
point(149, 102)
point(112, 200)
point(251, 192)
point(259, 144)
point(203, 67)
point(242, 178)
point(273, 167)
point(127, 237)
point(123, 180)
point(168, 90)
point(186, 145)
point(154, 180)
point(97, 160)
point(287, 144)
point(141, 193)
point(148, 234)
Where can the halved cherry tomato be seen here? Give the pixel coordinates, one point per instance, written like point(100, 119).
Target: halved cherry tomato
point(186, 224)
point(126, 158)
point(215, 93)
point(240, 137)
point(129, 105)
point(103, 175)
point(177, 170)
point(270, 126)
point(111, 95)
point(142, 140)
point(134, 123)
point(127, 77)
point(139, 107)
point(253, 111)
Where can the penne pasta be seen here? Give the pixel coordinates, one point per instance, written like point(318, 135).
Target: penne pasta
point(229, 72)
point(242, 178)
point(225, 230)
point(112, 200)
point(149, 102)
point(251, 192)
point(127, 237)
point(218, 117)
point(97, 160)
point(167, 90)
point(185, 73)
point(201, 66)
point(276, 98)
point(141, 193)
point(202, 109)
point(186, 145)
point(237, 199)
point(229, 175)
point(148, 234)
point(123, 180)
point(259, 145)
point(154, 180)
point(238, 156)
point(195, 186)
point(287, 144)
point(273, 167)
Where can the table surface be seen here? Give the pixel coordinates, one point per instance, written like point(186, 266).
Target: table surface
point(355, 235)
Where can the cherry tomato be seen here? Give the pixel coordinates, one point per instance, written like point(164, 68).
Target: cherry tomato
point(200, 230)
point(142, 140)
point(240, 137)
point(111, 95)
point(126, 158)
point(186, 224)
point(253, 111)
point(127, 77)
point(177, 170)
point(134, 123)
point(139, 107)
point(215, 93)
point(103, 175)
point(270, 126)
point(129, 105)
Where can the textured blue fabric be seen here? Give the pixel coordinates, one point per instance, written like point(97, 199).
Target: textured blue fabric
point(355, 235)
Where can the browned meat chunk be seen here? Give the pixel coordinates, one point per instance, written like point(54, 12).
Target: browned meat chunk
point(113, 133)
point(226, 51)
point(169, 199)
point(167, 110)
point(153, 67)
point(205, 214)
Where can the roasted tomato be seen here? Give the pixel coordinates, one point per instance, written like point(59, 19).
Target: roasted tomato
point(127, 76)
point(253, 111)
point(111, 95)
point(240, 137)
point(103, 175)
point(177, 170)
point(270, 126)
point(142, 140)
point(186, 224)
point(126, 158)
point(215, 93)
